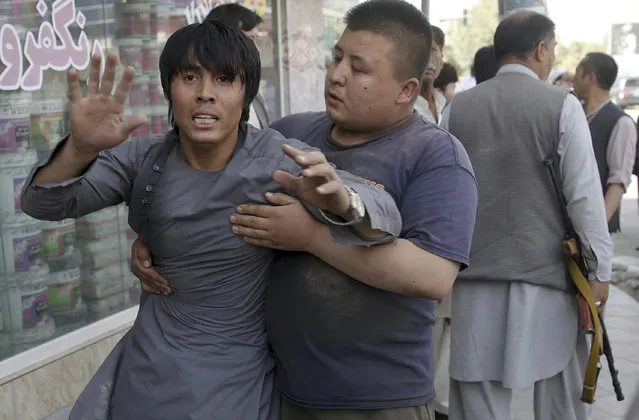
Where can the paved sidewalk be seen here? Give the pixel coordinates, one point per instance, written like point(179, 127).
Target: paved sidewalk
point(622, 322)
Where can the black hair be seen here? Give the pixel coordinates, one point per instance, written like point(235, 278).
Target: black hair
point(601, 65)
point(438, 36)
point(447, 76)
point(235, 16)
point(485, 64)
point(519, 34)
point(217, 48)
point(404, 25)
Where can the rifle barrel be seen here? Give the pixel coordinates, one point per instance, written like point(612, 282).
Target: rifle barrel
point(614, 373)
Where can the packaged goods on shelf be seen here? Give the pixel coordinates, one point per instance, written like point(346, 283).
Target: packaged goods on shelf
point(21, 242)
point(15, 121)
point(98, 225)
point(65, 290)
point(109, 280)
point(14, 169)
point(103, 252)
point(58, 239)
point(25, 308)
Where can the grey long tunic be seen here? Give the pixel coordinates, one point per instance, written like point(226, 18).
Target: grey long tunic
point(200, 353)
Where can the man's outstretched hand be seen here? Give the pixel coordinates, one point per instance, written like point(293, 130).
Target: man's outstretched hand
point(97, 118)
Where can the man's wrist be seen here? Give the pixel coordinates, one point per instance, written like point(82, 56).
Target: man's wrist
point(78, 155)
point(354, 214)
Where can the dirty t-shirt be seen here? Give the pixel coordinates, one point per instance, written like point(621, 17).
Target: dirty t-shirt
point(338, 342)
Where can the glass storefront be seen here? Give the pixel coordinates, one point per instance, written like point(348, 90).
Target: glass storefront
point(59, 276)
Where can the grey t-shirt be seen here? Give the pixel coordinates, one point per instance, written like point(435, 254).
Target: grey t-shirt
point(200, 353)
point(338, 342)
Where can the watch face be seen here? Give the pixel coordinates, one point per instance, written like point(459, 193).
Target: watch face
point(358, 205)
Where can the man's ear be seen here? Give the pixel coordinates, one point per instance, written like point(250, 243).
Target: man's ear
point(409, 89)
point(540, 51)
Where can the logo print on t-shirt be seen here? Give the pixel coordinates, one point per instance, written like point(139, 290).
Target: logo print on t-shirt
point(372, 183)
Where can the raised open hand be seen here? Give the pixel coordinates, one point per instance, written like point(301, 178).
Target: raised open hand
point(318, 184)
point(97, 121)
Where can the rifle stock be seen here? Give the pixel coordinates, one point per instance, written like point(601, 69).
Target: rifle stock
point(590, 320)
point(571, 249)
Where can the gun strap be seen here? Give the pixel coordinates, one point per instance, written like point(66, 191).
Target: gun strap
point(583, 287)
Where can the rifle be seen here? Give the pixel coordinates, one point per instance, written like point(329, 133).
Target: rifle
point(591, 322)
point(614, 373)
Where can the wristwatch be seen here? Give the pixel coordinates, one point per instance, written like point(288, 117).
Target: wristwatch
point(355, 213)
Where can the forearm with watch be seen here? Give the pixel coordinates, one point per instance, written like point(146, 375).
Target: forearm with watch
point(355, 217)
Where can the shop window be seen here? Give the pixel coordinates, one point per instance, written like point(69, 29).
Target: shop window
point(59, 276)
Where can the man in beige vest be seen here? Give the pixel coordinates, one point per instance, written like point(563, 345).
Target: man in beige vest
point(515, 319)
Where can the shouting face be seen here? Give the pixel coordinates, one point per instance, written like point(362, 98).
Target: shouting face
point(207, 107)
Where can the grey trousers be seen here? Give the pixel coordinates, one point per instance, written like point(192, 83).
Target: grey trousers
point(290, 411)
point(556, 398)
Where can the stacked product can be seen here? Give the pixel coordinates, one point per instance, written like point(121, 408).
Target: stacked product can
point(142, 31)
point(65, 286)
point(25, 317)
point(106, 277)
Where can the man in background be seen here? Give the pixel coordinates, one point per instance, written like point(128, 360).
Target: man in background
point(562, 78)
point(515, 320)
point(247, 21)
point(447, 81)
point(469, 82)
point(614, 134)
point(485, 64)
point(430, 103)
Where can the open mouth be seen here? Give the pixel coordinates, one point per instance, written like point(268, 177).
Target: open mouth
point(204, 119)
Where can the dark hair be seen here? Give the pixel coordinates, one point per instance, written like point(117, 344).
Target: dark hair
point(217, 48)
point(485, 64)
point(235, 16)
point(438, 36)
point(404, 25)
point(601, 65)
point(447, 76)
point(519, 34)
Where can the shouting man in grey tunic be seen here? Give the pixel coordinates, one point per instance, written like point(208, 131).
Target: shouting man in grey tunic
point(200, 353)
point(515, 310)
